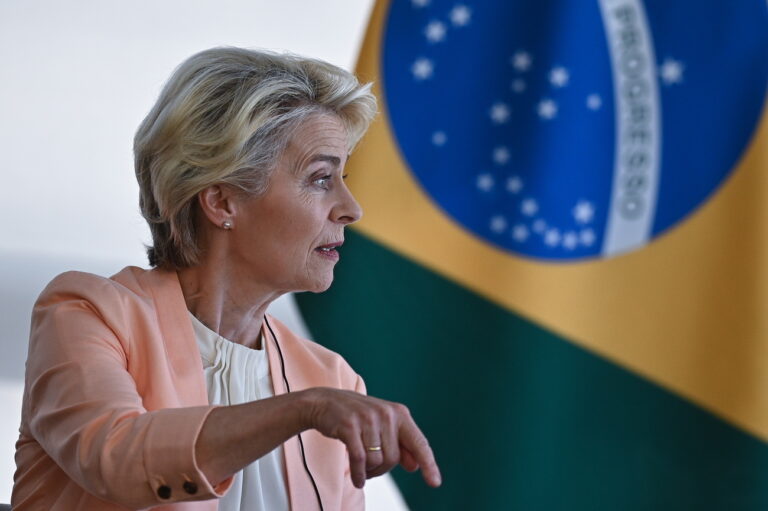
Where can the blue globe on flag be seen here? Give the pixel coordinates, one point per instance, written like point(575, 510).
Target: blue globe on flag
point(579, 144)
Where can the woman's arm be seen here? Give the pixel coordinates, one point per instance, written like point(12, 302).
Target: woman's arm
point(82, 406)
point(234, 436)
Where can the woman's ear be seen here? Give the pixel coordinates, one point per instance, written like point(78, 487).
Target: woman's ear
point(217, 203)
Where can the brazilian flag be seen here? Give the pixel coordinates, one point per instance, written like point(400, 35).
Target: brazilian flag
point(563, 264)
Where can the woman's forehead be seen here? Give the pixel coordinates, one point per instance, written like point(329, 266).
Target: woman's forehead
point(322, 136)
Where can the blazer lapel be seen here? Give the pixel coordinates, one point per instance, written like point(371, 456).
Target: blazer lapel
point(178, 337)
point(300, 489)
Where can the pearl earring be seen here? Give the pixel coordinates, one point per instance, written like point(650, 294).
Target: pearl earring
point(227, 225)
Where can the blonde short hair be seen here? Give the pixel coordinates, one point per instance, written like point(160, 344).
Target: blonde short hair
point(225, 116)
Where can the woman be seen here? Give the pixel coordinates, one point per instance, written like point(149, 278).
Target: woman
point(172, 386)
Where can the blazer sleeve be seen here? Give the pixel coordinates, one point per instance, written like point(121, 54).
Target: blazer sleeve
point(83, 408)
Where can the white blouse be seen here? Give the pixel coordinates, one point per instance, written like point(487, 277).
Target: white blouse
point(235, 374)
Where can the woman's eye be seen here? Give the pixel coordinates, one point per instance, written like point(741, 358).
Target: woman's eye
point(323, 181)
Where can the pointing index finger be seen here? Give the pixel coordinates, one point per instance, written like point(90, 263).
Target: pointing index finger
point(414, 441)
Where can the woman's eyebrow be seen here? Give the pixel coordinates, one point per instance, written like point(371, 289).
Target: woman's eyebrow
point(333, 160)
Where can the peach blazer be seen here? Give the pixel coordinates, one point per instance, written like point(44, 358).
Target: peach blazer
point(115, 397)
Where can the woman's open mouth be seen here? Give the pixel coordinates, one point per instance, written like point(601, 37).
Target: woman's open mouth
point(329, 250)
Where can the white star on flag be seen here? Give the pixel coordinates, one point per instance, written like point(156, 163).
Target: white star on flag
point(587, 237)
point(422, 69)
point(499, 113)
point(583, 212)
point(570, 240)
point(594, 102)
point(439, 138)
point(501, 155)
point(514, 184)
point(529, 207)
point(521, 60)
point(498, 224)
point(539, 226)
point(460, 15)
point(559, 76)
point(552, 237)
point(671, 71)
point(435, 31)
point(420, 3)
point(520, 232)
point(518, 85)
point(485, 182)
point(547, 109)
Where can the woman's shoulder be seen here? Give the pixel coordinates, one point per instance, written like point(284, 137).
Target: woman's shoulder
point(116, 307)
point(120, 299)
point(311, 354)
point(76, 307)
point(78, 285)
point(288, 339)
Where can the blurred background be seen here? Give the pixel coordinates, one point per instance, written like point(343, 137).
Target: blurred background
point(562, 268)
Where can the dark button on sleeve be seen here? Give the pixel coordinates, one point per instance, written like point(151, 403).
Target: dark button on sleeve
point(164, 492)
point(190, 487)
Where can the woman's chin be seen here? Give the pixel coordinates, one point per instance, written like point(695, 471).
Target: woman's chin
point(319, 285)
point(323, 287)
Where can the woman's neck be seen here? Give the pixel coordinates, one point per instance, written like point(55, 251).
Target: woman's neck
point(228, 304)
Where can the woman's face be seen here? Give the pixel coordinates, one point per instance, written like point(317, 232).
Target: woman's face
point(286, 237)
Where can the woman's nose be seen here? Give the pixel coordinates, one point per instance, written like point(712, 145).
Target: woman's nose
point(348, 210)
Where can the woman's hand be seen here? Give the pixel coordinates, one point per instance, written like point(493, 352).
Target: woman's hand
point(366, 424)
point(234, 436)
